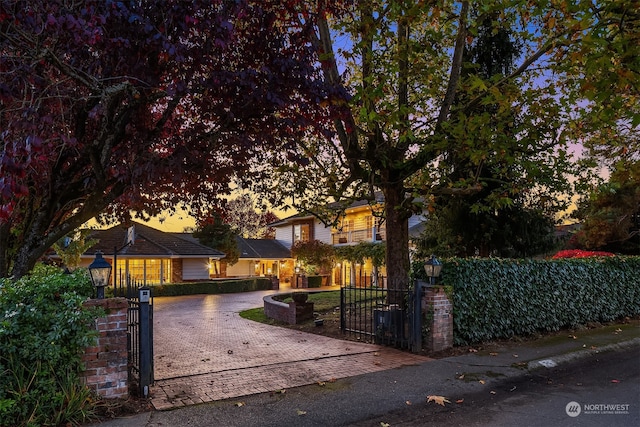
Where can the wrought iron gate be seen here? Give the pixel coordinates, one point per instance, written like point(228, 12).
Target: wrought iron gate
point(139, 332)
point(382, 316)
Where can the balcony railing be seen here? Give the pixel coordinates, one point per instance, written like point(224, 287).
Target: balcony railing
point(356, 236)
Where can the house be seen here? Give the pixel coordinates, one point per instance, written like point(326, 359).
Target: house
point(262, 257)
point(258, 257)
point(152, 256)
point(360, 222)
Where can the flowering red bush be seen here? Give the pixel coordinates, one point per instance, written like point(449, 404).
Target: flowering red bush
point(579, 253)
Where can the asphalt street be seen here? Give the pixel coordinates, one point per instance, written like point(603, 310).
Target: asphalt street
point(537, 397)
point(605, 387)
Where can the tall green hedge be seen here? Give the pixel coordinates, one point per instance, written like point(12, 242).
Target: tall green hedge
point(213, 287)
point(497, 298)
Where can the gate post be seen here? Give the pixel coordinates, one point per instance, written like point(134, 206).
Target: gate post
point(145, 340)
point(441, 324)
point(416, 338)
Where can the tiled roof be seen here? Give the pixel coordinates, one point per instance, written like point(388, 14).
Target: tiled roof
point(150, 242)
point(262, 248)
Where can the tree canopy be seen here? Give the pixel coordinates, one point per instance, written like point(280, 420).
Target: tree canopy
point(409, 97)
point(610, 216)
point(216, 234)
point(112, 106)
point(460, 224)
point(241, 214)
point(109, 107)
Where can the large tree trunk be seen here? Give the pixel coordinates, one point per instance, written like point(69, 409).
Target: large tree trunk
point(397, 254)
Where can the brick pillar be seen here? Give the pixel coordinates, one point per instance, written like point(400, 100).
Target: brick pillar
point(440, 319)
point(106, 370)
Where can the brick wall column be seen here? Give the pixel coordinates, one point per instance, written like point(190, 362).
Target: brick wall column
point(440, 317)
point(105, 363)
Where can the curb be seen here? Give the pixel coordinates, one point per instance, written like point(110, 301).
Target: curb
point(552, 362)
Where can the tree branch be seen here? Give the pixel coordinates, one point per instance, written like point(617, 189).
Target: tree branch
point(456, 67)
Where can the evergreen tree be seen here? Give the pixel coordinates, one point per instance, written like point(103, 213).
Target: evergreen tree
point(469, 224)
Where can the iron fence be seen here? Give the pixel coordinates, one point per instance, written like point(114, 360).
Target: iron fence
point(377, 315)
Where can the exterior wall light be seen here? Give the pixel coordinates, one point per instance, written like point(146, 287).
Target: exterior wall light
point(99, 270)
point(433, 268)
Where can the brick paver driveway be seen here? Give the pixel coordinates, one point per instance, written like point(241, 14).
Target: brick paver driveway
point(204, 351)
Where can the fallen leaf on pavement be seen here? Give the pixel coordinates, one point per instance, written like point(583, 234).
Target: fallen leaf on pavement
point(440, 400)
point(321, 383)
point(408, 403)
point(301, 412)
point(615, 381)
point(384, 424)
point(481, 381)
point(515, 355)
point(459, 400)
point(461, 377)
point(239, 404)
point(492, 392)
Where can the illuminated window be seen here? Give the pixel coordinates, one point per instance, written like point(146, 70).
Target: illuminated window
point(147, 271)
point(301, 233)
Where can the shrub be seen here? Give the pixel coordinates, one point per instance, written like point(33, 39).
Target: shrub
point(579, 253)
point(213, 287)
point(44, 330)
point(316, 256)
point(314, 281)
point(496, 298)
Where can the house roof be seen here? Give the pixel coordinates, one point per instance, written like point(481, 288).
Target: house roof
point(337, 206)
point(290, 219)
point(262, 248)
point(150, 242)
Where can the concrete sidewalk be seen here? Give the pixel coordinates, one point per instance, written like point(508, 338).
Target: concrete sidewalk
point(353, 399)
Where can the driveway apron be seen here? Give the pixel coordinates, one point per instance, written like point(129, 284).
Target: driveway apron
point(204, 351)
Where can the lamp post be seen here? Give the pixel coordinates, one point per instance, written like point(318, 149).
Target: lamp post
point(99, 270)
point(433, 268)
